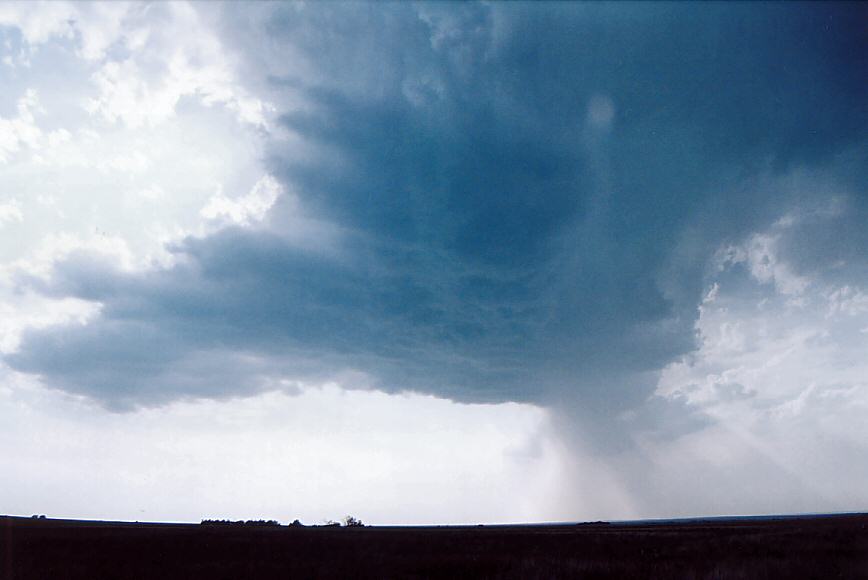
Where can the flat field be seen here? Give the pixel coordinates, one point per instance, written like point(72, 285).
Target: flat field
point(821, 547)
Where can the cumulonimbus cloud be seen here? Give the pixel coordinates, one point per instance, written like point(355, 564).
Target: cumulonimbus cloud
point(521, 203)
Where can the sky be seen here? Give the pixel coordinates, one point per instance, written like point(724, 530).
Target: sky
point(433, 263)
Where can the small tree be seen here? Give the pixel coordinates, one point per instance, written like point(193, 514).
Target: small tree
point(352, 522)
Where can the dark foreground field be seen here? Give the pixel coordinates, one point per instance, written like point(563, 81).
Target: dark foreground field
point(817, 547)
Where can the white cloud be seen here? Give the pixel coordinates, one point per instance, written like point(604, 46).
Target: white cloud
point(92, 28)
point(169, 52)
point(39, 22)
point(177, 57)
point(21, 131)
point(786, 389)
point(171, 122)
point(124, 95)
point(33, 311)
point(246, 209)
point(768, 348)
point(847, 301)
point(10, 212)
point(40, 261)
point(760, 254)
point(100, 25)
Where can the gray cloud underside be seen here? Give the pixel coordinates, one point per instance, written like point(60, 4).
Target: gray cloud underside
point(496, 243)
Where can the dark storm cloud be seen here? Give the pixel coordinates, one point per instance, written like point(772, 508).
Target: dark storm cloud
point(528, 196)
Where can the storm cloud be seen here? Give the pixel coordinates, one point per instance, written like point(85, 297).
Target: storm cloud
point(488, 203)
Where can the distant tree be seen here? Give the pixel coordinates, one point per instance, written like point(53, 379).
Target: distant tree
point(296, 524)
point(352, 522)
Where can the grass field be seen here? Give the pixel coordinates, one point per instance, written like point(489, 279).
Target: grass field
point(814, 547)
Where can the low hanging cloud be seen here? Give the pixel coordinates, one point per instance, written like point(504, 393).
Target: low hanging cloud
point(516, 204)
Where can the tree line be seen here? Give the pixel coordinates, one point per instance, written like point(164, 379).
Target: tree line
point(348, 522)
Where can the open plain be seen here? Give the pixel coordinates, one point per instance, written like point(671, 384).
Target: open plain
point(820, 547)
